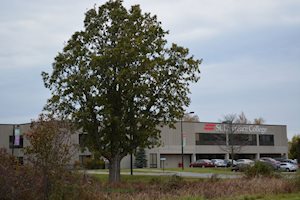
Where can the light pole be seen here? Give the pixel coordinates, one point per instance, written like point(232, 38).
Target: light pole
point(181, 130)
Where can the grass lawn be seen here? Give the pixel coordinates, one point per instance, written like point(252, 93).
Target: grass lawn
point(192, 170)
point(140, 178)
point(204, 170)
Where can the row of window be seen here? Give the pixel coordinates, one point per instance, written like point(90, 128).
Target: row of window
point(235, 139)
point(201, 139)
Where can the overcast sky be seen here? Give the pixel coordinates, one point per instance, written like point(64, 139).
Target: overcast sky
point(250, 51)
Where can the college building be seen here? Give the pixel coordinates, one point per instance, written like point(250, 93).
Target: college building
point(189, 140)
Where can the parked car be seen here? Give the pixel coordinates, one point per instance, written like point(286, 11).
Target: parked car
point(219, 162)
point(294, 162)
point(202, 163)
point(228, 162)
point(280, 159)
point(242, 164)
point(240, 167)
point(245, 161)
point(272, 162)
point(285, 166)
point(272, 165)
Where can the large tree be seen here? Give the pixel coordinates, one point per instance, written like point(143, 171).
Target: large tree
point(117, 79)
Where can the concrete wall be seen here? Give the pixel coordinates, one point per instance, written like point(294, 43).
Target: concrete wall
point(171, 143)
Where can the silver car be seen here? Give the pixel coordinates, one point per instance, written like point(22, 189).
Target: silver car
point(289, 167)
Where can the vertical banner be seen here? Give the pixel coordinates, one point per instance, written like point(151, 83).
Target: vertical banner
point(17, 137)
point(184, 140)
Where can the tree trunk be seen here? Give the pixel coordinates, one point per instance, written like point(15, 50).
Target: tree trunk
point(114, 169)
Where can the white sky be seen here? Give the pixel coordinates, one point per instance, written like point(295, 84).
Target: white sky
point(251, 53)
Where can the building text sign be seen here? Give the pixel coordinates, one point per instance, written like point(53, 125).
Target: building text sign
point(222, 128)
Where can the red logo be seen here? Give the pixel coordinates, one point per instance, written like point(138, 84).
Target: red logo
point(209, 127)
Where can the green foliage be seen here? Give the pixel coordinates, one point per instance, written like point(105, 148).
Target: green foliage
point(156, 180)
point(117, 80)
point(259, 169)
point(294, 148)
point(94, 164)
point(140, 158)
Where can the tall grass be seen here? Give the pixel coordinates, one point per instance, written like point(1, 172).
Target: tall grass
point(178, 188)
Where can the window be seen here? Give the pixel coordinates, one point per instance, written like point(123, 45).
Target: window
point(242, 139)
point(266, 140)
point(153, 160)
point(210, 139)
point(12, 142)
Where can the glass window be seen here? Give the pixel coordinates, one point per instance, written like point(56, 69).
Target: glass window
point(266, 140)
point(210, 139)
point(242, 139)
point(153, 160)
point(12, 142)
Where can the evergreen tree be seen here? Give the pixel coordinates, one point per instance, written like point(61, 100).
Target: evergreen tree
point(140, 158)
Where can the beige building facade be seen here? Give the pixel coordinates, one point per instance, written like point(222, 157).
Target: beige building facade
point(206, 140)
point(197, 140)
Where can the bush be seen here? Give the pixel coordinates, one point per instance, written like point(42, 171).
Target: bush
point(259, 169)
point(296, 180)
point(94, 164)
point(15, 179)
point(174, 182)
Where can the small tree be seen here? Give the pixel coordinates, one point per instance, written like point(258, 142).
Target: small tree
point(140, 158)
point(191, 118)
point(242, 119)
point(259, 121)
point(17, 181)
point(235, 141)
point(50, 149)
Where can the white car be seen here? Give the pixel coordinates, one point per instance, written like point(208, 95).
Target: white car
point(219, 162)
point(288, 167)
point(245, 161)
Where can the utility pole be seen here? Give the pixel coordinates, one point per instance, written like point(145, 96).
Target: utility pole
point(181, 130)
point(13, 141)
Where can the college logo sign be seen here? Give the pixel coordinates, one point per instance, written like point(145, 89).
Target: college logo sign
point(222, 128)
point(209, 127)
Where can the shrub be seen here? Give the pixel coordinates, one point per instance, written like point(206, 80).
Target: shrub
point(259, 169)
point(155, 181)
point(76, 164)
point(94, 164)
point(17, 181)
point(296, 180)
point(174, 182)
